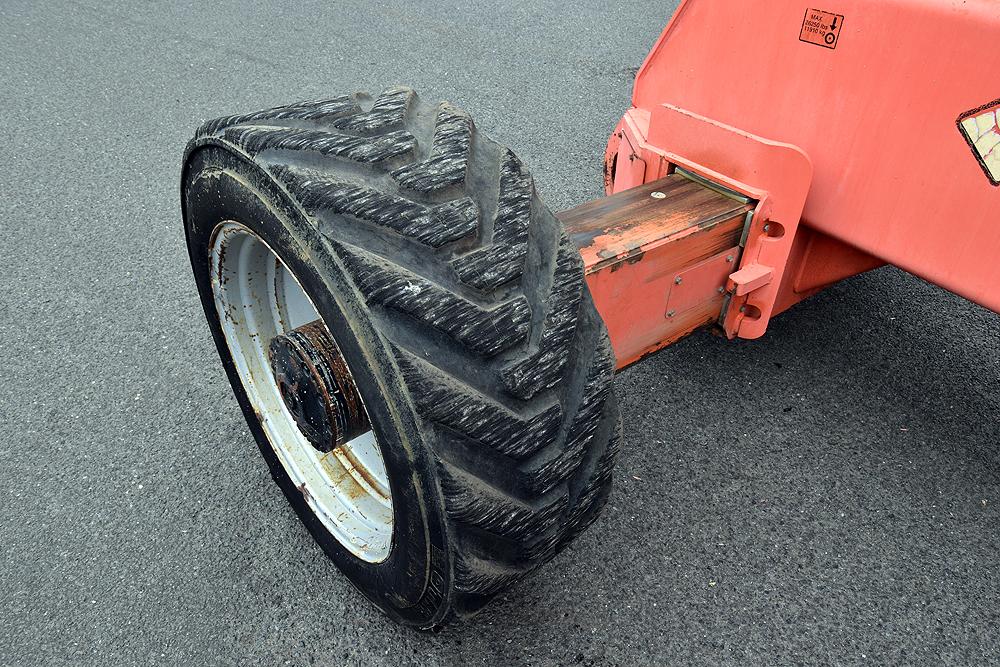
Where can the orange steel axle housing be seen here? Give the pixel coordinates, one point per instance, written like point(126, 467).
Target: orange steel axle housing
point(775, 148)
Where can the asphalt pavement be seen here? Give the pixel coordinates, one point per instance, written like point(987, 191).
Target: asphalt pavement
point(829, 493)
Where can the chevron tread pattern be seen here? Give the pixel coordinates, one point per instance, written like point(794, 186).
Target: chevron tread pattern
point(481, 298)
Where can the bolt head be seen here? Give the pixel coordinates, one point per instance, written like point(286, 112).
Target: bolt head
point(678, 280)
point(658, 195)
point(671, 313)
point(729, 258)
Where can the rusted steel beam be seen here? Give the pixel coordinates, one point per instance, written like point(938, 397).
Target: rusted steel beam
point(657, 259)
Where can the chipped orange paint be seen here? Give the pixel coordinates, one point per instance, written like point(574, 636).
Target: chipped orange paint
point(729, 94)
point(635, 243)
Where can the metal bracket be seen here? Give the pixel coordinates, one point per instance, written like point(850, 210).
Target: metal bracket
point(749, 278)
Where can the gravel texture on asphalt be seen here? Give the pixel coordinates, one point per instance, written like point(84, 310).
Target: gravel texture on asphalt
point(826, 494)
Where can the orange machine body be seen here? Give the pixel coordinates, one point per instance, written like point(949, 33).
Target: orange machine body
point(864, 132)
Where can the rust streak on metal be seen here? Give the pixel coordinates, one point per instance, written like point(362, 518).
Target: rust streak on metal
point(634, 244)
point(361, 470)
point(304, 491)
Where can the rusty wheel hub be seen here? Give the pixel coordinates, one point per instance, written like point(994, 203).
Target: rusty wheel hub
point(302, 392)
point(316, 386)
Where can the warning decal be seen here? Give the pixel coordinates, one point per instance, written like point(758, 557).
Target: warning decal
point(981, 131)
point(821, 28)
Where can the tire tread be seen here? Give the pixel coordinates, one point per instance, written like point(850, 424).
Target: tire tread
point(536, 401)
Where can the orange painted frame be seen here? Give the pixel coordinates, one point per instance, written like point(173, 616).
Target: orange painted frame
point(893, 178)
point(775, 174)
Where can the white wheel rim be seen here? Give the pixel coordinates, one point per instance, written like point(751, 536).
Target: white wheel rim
point(257, 298)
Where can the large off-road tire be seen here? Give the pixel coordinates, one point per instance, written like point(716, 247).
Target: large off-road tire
point(460, 308)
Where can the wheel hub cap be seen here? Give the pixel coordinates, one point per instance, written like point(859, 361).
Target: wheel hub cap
point(317, 387)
